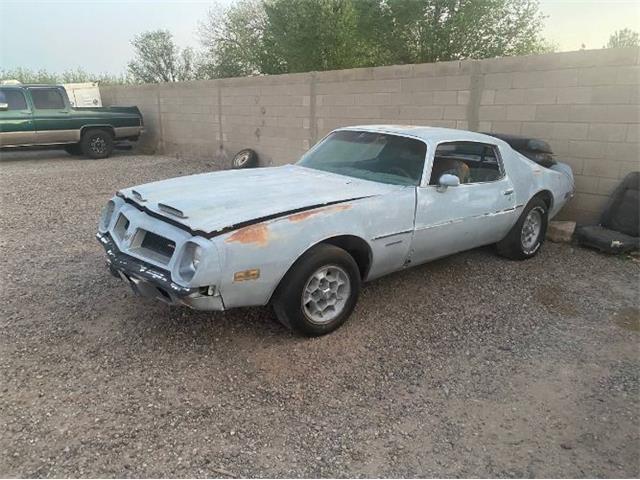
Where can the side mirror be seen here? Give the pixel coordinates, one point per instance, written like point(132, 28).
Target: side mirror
point(4, 107)
point(448, 180)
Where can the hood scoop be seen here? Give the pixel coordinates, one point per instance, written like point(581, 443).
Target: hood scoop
point(138, 196)
point(171, 210)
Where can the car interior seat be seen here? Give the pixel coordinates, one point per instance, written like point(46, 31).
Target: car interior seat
point(442, 165)
point(618, 230)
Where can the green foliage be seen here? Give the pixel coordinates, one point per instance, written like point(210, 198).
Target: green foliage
point(233, 40)
point(158, 59)
point(253, 37)
point(281, 36)
point(25, 75)
point(623, 38)
point(309, 35)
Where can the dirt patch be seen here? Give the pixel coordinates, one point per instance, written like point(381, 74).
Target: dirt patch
point(555, 300)
point(628, 318)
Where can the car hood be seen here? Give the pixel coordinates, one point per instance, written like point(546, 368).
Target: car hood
point(218, 201)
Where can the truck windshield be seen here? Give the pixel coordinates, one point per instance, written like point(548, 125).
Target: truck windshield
point(380, 157)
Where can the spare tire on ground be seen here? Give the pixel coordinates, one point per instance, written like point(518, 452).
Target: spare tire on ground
point(619, 229)
point(246, 158)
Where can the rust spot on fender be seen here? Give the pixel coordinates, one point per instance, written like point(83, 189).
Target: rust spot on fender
point(258, 234)
point(302, 216)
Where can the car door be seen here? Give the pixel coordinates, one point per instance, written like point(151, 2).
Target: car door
point(16, 120)
point(52, 116)
point(478, 211)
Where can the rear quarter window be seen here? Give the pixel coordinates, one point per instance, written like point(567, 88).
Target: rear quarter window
point(47, 98)
point(471, 162)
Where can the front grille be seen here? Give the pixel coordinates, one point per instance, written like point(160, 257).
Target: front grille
point(158, 244)
point(151, 246)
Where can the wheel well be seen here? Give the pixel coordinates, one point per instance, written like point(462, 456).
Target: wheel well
point(547, 197)
point(357, 248)
point(107, 128)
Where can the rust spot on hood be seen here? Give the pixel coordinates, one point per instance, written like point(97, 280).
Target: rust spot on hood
point(300, 217)
point(258, 234)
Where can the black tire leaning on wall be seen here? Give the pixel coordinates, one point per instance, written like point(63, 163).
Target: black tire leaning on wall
point(246, 158)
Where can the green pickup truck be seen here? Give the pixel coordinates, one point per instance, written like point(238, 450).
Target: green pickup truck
point(41, 115)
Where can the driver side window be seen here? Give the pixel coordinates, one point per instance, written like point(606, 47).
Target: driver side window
point(471, 162)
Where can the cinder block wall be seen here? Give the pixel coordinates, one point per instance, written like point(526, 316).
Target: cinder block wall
point(586, 104)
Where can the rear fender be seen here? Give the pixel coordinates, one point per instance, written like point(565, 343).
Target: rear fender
point(530, 179)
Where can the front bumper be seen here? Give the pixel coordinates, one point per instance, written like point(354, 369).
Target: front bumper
point(150, 281)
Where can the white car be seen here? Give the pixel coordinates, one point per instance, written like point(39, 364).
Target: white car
point(363, 202)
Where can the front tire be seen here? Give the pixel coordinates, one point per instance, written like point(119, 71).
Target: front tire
point(97, 143)
point(319, 292)
point(527, 236)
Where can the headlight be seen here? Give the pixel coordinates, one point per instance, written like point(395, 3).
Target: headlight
point(107, 213)
point(190, 260)
point(197, 256)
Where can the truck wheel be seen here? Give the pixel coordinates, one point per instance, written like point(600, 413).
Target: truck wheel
point(319, 292)
point(246, 158)
point(97, 143)
point(73, 149)
point(527, 235)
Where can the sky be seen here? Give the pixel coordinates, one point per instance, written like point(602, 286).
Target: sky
point(95, 35)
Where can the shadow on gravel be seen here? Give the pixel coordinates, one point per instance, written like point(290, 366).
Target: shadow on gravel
point(34, 154)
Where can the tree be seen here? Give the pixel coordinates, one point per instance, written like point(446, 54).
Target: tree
point(623, 38)
point(419, 31)
point(314, 35)
point(158, 59)
point(280, 36)
point(233, 40)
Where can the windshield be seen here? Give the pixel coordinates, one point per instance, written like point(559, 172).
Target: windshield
point(380, 157)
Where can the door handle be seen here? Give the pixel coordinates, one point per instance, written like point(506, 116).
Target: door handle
point(508, 192)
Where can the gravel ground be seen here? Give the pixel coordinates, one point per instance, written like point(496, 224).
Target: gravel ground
point(469, 366)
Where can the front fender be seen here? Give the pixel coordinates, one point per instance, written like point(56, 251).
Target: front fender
point(273, 246)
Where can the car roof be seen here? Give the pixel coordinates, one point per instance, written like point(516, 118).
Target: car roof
point(428, 134)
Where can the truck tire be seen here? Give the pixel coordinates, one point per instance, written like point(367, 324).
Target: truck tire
point(319, 292)
point(97, 143)
point(527, 236)
point(73, 149)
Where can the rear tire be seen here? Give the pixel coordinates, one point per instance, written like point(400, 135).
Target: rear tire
point(527, 236)
point(73, 149)
point(319, 292)
point(97, 143)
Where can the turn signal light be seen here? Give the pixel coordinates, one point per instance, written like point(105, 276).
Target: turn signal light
point(252, 274)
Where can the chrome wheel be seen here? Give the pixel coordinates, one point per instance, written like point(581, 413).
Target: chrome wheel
point(98, 145)
point(531, 228)
point(325, 294)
